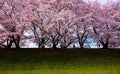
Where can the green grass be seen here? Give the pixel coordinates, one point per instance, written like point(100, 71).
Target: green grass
point(59, 61)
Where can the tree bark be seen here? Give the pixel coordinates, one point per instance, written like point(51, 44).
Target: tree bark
point(105, 46)
point(54, 46)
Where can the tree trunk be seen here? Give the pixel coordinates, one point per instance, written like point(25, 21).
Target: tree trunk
point(17, 44)
point(10, 44)
point(64, 47)
point(105, 46)
point(81, 46)
point(41, 45)
point(54, 46)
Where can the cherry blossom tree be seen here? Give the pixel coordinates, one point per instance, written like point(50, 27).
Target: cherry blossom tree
point(46, 26)
point(82, 13)
point(11, 22)
point(58, 23)
point(106, 25)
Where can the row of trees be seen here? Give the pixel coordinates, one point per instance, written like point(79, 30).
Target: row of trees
point(58, 23)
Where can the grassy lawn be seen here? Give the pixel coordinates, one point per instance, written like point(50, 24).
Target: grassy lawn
point(59, 61)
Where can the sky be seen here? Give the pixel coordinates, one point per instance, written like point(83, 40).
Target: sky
point(103, 1)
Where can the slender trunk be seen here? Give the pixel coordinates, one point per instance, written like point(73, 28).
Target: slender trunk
point(16, 42)
point(81, 46)
point(10, 44)
point(41, 45)
point(105, 46)
point(63, 46)
point(17, 45)
point(81, 41)
point(54, 46)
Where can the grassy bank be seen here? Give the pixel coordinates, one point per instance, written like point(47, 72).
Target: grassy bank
point(59, 61)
